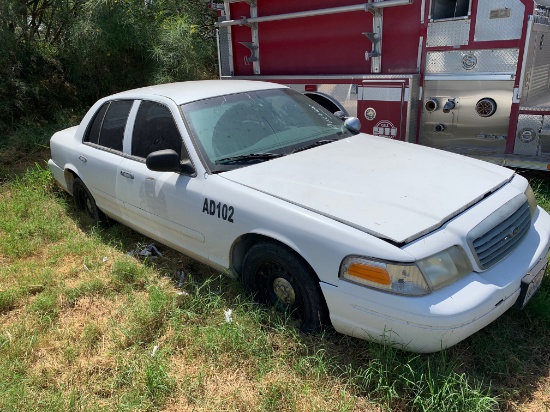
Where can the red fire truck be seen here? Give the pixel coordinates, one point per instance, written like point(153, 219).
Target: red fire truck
point(468, 76)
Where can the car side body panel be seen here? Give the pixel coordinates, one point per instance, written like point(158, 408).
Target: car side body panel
point(311, 235)
point(359, 196)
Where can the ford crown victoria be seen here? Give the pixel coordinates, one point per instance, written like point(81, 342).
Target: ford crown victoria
point(385, 240)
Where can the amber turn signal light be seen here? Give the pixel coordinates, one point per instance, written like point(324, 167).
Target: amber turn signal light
point(370, 273)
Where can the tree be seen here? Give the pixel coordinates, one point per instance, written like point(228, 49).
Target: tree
point(68, 53)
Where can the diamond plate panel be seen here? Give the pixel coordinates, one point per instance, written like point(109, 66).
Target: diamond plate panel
point(499, 20)
point(385, 94)
point(224, 50)
point(528, 64)
point(486, 61)
point(412, 110)
point(537, 81)
point(448, 33)
point(528, 135)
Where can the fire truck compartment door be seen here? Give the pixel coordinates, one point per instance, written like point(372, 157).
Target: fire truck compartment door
point(382, 108)
point(465, 115)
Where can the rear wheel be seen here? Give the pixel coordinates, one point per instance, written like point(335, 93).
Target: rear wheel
point(84, 201)
point(276, 275)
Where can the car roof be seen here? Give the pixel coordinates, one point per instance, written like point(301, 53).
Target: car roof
point(185, 92)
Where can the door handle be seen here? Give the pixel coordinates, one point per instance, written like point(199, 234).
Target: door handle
point(127, 174)
point(82, 158)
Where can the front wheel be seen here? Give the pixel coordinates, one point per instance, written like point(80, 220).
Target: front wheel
point(84, 201)
point(276, 275)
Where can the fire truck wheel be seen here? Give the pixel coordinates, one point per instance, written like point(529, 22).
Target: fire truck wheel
point(276, 275)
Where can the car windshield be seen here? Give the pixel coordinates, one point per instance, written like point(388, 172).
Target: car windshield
point(240, 129)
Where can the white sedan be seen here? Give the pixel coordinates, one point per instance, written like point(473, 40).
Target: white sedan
point(385, 240)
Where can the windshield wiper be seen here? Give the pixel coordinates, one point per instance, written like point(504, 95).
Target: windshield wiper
point(317, 143)
point(248, 157)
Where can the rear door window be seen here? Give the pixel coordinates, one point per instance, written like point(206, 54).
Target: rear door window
point(107, 127)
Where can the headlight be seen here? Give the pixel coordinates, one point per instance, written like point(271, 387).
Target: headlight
point(397, 278)
point(408, 279)
point(445, 267)
point(531, 199)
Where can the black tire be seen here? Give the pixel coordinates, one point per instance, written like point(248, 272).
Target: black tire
point(84, 201)
point(276, 275)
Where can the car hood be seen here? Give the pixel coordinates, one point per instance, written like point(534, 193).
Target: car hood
point(393, 190)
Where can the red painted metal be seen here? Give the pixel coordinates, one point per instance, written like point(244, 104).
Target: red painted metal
point(326, 45)
point(400, 39)
point(471, 40)
point(390, 119)
point(534, 112)
point(331, 49)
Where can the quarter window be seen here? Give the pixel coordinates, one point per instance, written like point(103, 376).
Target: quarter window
point(108, 126)
point(154, 130)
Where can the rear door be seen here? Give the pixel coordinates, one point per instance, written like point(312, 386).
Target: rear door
point(102, 153)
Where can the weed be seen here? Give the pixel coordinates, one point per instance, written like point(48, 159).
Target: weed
point(91, 335)
point(75, 401)
point(539, 304)
point(45, 307)
point(128, 273)
point(14, 395)
point(31, 217)
point(158, 382)
point(87, 288)
point(148, 317)
point(194, 387)
point(278, 396)
point(316, 364)
point(52, 273)
point(417, 382)
point(541, 187)
point(8, 300)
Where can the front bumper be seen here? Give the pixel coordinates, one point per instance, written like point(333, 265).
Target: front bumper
point(445, 317)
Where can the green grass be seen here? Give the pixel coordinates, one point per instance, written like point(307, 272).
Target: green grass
point(31, 217)
point(80, 321)
point(8, 300)
point(541, 187)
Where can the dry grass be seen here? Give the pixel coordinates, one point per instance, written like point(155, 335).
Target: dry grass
point(80, 319)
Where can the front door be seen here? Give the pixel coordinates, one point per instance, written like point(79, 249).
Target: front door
point(164, 205)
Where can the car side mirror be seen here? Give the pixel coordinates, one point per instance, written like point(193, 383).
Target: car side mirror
point(168, 160)
point(352, 124)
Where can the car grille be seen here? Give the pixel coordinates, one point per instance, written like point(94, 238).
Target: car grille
point(503, 238)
